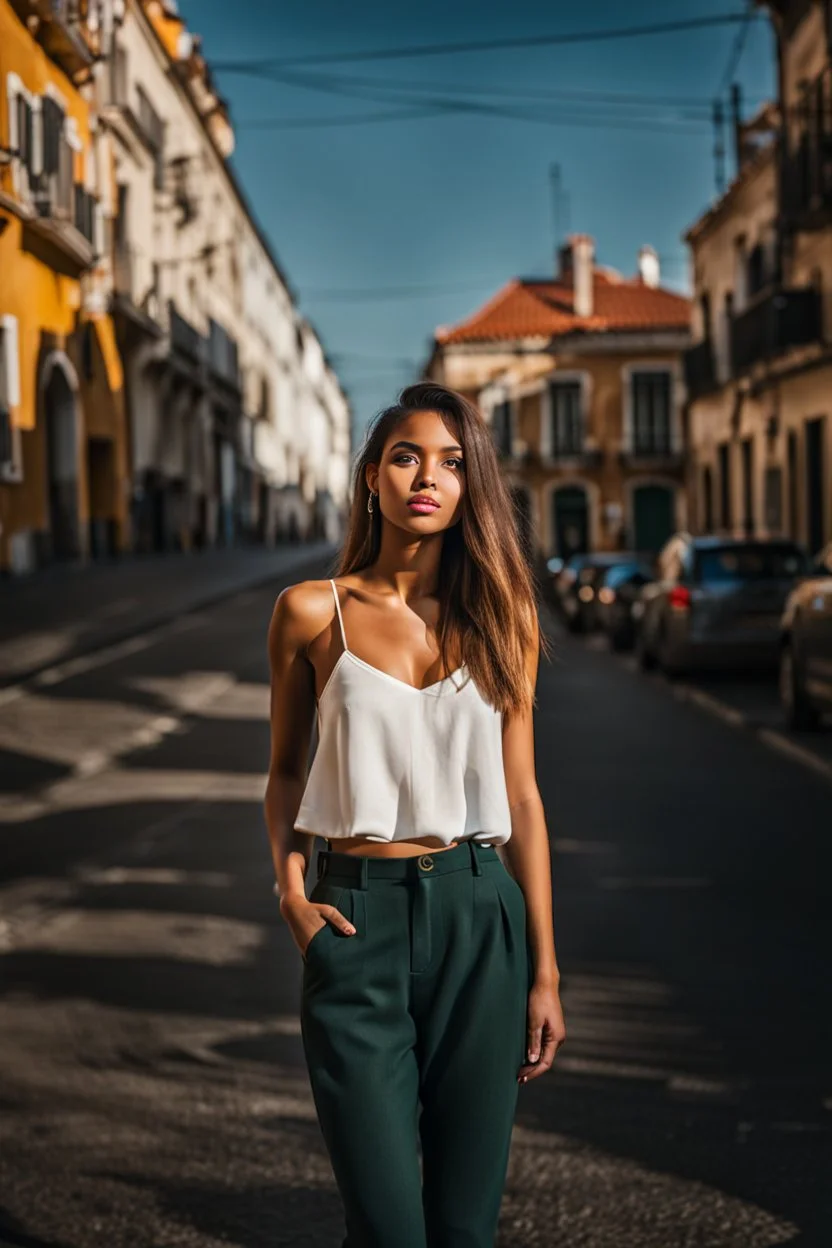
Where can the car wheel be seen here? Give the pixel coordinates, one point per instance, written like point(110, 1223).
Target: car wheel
point(620, 640)
point(644, 656)
point(669, 669)
point(798, 710)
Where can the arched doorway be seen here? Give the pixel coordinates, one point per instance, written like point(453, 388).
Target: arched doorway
point(570, 520)
point(653, 516)
point(61, 425)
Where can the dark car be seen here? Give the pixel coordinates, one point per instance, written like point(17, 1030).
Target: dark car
point(618, 592)
point(576, 586)
point(806, 650)
point(717, 602)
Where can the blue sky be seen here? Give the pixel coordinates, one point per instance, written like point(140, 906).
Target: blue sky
point(460, 203)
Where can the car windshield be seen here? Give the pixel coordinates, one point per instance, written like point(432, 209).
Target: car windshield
point(627, 572)
point(750, 563)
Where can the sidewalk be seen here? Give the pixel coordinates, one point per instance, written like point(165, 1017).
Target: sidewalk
point(67, 611)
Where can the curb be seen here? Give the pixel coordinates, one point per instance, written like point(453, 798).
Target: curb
point(10, 687)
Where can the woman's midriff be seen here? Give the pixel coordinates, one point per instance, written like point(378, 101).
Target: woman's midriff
point(388, 849)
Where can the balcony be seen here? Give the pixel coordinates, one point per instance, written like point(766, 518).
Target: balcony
point(652, 457)
point(64, 216)
point(66, 33)
point(776, 322)
point(700, 369)
point(572, 457)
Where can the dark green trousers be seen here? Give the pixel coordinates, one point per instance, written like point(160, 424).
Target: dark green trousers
point(414, 1030)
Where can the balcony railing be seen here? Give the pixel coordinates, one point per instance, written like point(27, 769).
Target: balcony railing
point(700, 369)
point(775, 322)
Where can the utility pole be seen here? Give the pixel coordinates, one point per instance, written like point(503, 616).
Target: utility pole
point(736, 123)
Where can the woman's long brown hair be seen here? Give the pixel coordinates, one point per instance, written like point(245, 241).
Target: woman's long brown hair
point(487, 588)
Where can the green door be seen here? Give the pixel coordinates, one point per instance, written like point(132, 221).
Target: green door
point(653, 516)
point(571, 516)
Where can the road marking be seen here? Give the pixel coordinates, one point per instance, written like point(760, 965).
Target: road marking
point(730, 715)
point(798, 753)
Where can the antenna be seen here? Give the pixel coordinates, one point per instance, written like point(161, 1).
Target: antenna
point(556, 184)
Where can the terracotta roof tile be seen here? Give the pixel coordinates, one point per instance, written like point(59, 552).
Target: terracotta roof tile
point(531, 308)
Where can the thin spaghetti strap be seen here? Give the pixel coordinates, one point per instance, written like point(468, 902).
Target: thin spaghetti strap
point(340, 617)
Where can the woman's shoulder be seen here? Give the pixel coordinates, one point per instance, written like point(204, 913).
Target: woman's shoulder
point(302, 610)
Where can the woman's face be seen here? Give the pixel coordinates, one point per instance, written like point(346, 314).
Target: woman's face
point(422, 457)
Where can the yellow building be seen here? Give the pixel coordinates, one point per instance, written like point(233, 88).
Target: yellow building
point(63, 468)
point(580, 378)
point(760, 373)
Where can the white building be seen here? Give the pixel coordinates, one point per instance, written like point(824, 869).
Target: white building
point(214, 352)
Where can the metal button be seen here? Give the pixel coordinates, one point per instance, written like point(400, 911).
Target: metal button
point(426, 862)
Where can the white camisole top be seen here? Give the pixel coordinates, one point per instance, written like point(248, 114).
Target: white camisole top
point(394, 762)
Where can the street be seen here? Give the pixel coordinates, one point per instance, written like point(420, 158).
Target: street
point(154, 1091)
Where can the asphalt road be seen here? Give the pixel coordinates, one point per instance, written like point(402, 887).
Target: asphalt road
point(153, 1088)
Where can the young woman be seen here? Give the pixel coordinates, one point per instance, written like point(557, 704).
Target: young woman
point(430, 982)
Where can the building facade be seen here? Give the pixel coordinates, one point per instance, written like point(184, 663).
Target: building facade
point(63, 441)
point(580, 377)
point(159, 388)
point(760, 371)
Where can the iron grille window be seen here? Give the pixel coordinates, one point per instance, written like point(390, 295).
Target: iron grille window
point(651, 396)
point(567, 418)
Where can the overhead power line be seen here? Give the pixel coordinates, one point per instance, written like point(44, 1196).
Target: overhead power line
point(578, 115)
point(485, 45)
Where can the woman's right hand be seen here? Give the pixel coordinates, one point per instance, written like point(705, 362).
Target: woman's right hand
point(302, 917)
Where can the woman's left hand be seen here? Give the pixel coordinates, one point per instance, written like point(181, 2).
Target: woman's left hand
point(546, 1031)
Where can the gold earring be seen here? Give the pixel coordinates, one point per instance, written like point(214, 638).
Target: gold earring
point(370, 501)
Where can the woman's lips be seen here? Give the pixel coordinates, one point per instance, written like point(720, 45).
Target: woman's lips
point(420, 505)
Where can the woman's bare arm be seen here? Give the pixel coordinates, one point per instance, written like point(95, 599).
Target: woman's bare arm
point(300, 614)
point(528, 854)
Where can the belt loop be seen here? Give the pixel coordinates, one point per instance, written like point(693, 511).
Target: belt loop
point(476, 865)
point(365, 868)
point(323, 858)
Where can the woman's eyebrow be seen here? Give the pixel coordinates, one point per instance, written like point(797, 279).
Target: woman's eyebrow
point(414, 446)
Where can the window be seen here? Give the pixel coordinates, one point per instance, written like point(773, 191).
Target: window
point(501, 427)
point(791, 467)
point(751, 563)
point(153, 129)
point(651, 400)
point(567, 418)
point(747, 450)
point(724, 455)
point(708, 499)
point(774, 499)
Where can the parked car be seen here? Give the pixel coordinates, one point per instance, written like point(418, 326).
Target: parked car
point(717, 603)
point(806, 648)
point(618, 592)
point(576, 586)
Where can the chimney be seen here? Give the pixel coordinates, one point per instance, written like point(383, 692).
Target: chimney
point(648, 266)
point(582, 266)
